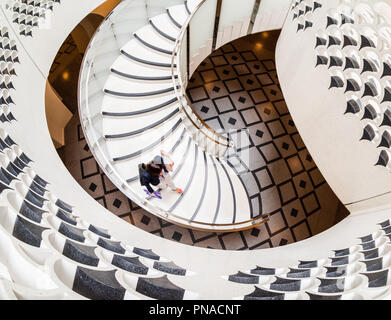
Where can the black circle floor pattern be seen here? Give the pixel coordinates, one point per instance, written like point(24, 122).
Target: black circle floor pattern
point(234, 90)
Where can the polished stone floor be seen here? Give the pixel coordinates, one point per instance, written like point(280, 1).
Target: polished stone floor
point(235, 89)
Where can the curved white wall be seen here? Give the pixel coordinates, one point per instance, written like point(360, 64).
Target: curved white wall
point(332, 137)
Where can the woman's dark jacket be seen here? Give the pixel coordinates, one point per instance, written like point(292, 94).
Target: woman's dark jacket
point(147, 179)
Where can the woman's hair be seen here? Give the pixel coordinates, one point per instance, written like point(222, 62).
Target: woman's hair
point(153, 169)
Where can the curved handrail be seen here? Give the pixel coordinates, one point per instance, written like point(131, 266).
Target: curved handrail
point(177, 78)
point(96, 141)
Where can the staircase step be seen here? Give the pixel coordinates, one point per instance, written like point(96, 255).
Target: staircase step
point(241, 277)
point(146, 62)
point(120, 105)
point(161, 32)
point(192, 4)
point(142, 111)
point(131, 264)
point(314, 296)
point(129, 168)
point(150, 146)
point(113, 246)
point(178, 14)
point(101, 232)
point(146, 253)
point(299, 273)
point(263, 271)
point(80, 253)
point(98, 285)
point(129, 66)
point(169, 267)
point(374, 265)
point(164, 24)
point(72, 232)
point(148, 37)
point(143, 78)
point(67, 217)
point(159, 288)
point(377, 279)
point(334, 272)
point(28, 210)
point(144, 129)
point(209, 208)
point(261, 294)
point(28, 232)
point(332, 285)
point(282, 284)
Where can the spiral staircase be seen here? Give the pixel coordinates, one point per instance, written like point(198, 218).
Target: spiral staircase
point(142, 113)
point(58, 243)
